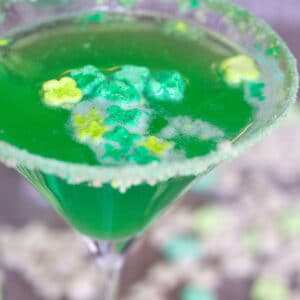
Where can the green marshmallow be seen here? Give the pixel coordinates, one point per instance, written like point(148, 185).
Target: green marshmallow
point(123, 137)
point(142, 155)
point(166, 86)
point(88, 79)
point(119, 116)
point(118, 91)
point(136, 76)
point(114, 153)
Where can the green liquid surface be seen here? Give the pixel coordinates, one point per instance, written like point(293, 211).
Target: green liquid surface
point(50, 51)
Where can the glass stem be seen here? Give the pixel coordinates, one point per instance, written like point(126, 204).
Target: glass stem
point(109, 257)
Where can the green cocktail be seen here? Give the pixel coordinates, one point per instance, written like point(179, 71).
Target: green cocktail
point(209, 110)
point(112, 115)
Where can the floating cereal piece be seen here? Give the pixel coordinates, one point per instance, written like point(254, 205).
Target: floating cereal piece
point(118, 91)
point(166, 86)
point(239, 69)
point(94, 131)
point(114, 153)
point(136, 76)
point(123, 137)
point(119, 116)
point(142, 155)
point(157, 146)
point(88, 79)
point(89, 126)
point(93, 114)
point(61, 93)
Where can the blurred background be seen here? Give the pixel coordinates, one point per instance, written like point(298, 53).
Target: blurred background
point(236, 236)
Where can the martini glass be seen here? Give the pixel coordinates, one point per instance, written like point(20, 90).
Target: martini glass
point(111, 205)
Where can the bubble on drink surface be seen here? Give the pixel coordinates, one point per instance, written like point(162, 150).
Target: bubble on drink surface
point(185, 125)
point(119, 91)
point(89, 79)
point(134, 75)
point(167, 86)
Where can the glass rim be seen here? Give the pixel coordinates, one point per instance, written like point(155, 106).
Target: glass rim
point(128, 175)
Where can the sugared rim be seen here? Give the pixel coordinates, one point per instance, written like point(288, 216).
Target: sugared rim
point(128, 175)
